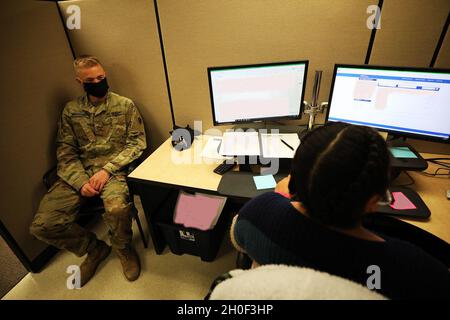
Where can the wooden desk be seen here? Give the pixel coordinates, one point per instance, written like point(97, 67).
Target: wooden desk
point(169, 169)
point(184, 169)
point(433, 191)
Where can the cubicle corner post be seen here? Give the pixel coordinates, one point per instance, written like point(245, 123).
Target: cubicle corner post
point(15, 248)
point(35, 265)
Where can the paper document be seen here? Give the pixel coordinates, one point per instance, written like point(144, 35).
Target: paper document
point(274, 147)
point(210, 209)
point(211, 149)
point(240, 144)
point(199, 211)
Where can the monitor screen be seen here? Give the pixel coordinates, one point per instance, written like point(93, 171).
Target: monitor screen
point(257, 92)
point(410, 102)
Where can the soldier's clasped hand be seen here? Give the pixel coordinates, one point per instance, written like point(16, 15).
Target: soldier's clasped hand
point(88, 191)
point(98, 180)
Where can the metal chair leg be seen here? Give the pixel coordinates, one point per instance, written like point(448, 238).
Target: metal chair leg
point(141, 231)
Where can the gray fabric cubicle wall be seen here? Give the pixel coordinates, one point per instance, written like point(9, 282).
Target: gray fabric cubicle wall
point(36, 81)
point(124, 36)
point(443, 58)
point(203, 33)
point(410, 30)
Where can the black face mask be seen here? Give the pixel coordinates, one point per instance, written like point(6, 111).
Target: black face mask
point(98, 89)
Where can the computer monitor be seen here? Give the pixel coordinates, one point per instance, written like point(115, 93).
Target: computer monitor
point(259, 92)
point(406, 102)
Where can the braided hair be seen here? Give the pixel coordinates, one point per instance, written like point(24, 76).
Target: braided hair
point(336, 170)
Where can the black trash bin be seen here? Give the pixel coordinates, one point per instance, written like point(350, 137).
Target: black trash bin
point(181, 240)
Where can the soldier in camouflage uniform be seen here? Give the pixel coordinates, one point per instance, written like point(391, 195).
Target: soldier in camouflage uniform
point(99, 135)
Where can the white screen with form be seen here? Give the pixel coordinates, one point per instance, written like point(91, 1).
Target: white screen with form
point(404, 101)
point(244, 94)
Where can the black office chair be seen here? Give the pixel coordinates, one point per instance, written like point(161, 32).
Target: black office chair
point(93, 207)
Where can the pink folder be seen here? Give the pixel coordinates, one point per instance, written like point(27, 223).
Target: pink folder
point(401, 202)
point(183, 207)
point(198, 211)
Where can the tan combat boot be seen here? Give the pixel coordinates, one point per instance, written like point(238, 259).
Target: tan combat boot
point(92, 261)
point(130, 262)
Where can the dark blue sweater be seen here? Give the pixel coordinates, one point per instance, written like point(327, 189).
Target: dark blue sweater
point(271, 231)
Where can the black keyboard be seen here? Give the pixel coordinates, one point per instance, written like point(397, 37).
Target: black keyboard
point(224, 167)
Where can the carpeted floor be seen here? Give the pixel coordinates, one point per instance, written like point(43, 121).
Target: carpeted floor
point(11, 270)
point(165, 276)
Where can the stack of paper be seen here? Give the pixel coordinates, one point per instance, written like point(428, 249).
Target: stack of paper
point(238, 143)
point(211, 149)
point(279, 145)
point(199, 211)
point(282, 145)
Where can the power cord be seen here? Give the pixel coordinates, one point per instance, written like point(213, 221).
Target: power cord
point(436, 174)
point(443, 166)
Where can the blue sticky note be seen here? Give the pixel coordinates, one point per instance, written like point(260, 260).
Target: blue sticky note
point(265, 182)
point(402, 152)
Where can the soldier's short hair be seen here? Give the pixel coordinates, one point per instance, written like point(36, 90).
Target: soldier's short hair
point(85, 61)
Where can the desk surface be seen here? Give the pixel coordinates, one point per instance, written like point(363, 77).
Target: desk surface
point(180, 168)
point(433, 191)
point(188, 169)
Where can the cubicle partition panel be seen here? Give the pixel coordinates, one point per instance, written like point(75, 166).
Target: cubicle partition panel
point(36, 80)
point(443, 55)
point(409, 36)
point(409, 33)
point(124, 36)
point(202, 33)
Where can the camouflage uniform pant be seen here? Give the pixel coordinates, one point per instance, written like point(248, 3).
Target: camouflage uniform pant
point(55, 220)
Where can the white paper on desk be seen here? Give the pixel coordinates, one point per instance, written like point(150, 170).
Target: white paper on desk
point(235, 143)
point(211, 149)
point(272, 147)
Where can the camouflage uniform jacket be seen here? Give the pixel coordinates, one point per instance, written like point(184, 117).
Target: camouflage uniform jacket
point(109, 136)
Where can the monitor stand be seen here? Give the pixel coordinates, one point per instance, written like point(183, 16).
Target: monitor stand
point(244, 164)
point(263, 166)
point(248, 164)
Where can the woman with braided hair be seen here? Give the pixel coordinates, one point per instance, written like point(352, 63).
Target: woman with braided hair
point(339, 173)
